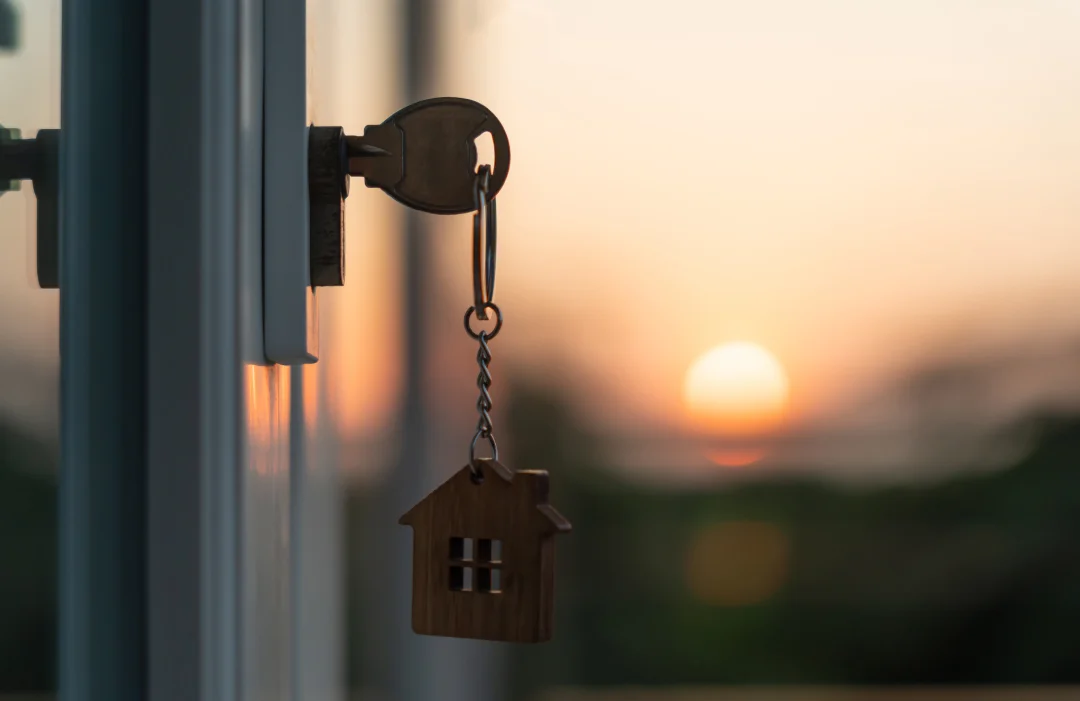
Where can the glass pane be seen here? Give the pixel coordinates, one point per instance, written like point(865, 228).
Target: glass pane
point(352, 395)
point(787, 290)
point(29, 364)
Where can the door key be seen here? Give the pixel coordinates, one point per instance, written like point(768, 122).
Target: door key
point(423, 155)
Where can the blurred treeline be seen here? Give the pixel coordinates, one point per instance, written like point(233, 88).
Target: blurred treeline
point(972, 580)
point(28, 557)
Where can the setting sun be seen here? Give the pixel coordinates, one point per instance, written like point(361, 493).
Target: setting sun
point(736, 390)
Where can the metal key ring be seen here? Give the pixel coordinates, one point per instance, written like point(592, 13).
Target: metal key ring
point(484, 244)
point(475, 335)
point(492, 232)
point(474, 467)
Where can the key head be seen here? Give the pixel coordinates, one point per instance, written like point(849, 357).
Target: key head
point(430, 162)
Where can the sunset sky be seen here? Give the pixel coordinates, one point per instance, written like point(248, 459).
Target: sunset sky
point(857, 187)
point(853, 185)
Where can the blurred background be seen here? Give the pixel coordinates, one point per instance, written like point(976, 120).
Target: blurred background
point(789, 295)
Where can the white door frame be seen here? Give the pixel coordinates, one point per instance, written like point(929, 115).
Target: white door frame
point(196, 229)
point(181, 447)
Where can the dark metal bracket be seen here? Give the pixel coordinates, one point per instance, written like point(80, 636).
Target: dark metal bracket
point(424, 156)
point(37, 160)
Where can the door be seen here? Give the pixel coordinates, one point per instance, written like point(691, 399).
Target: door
point(185, 456)
point(201, 525)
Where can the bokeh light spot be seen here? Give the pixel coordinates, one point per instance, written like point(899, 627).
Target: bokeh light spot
point(737, 563)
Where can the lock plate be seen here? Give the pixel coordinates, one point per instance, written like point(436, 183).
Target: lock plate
point(424, 155)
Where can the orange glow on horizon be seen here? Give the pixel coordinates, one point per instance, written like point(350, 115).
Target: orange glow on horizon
point(735, 457)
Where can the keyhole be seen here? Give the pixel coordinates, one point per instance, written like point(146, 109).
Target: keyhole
point(485, 150)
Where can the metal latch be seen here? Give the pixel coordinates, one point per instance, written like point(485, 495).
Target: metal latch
point(37, 160)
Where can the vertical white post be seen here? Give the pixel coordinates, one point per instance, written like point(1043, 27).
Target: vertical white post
point(193, 373)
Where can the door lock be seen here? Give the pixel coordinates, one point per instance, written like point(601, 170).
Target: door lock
point(37, 160)
point(424, 156)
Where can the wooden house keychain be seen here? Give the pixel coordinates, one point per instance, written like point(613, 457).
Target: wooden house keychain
point(483, 542)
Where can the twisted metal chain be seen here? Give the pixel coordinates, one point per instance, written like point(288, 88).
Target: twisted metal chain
point(484, 425)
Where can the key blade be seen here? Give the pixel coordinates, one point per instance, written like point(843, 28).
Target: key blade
point(358, 149)
point(378, 155)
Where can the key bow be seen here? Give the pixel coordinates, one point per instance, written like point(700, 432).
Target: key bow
point(424, 155)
